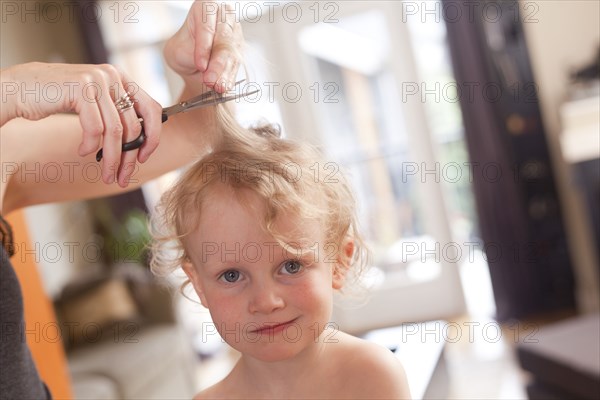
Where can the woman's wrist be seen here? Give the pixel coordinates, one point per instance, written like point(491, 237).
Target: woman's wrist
point(10, 90)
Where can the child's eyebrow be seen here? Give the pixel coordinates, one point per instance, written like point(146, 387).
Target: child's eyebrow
point(209, 264)
point(211, 258)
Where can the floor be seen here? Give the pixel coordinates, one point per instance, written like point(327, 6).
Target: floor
point(482, 364)
point(479, 353)
point(481, 361)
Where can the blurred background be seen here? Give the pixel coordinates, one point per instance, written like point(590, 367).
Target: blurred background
point(470, 132)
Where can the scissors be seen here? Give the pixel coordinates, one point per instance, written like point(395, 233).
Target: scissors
point(208, 98)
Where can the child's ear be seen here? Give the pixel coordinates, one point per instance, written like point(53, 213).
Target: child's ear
point(192, 275)
point(343, 264)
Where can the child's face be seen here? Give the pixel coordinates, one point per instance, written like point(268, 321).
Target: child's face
point(265, 302)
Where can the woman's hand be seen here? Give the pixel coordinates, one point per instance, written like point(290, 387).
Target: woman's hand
point(36, 90)
point(205, 52)
point(207, 48)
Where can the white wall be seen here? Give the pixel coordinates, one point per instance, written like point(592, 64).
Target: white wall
point(565, 36)
point(561, 36)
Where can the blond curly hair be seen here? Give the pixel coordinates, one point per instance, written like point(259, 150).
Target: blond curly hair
point(289, 176)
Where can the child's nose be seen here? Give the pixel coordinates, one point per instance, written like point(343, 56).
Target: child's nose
point(265, 299)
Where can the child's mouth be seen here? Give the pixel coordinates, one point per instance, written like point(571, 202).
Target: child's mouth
point(272, 329)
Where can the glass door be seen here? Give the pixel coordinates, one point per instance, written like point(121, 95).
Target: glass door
point(345, 76)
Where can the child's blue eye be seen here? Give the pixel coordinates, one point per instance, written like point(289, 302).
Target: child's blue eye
point(231, 276)
point(292, 267)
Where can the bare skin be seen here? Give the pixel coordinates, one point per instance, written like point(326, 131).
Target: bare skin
point(339, 367)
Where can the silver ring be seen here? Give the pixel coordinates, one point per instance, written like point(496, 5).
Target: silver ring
point(124, 103)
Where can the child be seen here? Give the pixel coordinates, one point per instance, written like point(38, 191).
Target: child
point(265, 232)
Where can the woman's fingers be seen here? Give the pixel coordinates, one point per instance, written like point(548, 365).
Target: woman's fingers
point(151, 112)
point(225, 50)
point(92, 127)
point(131, 123)
point(131, 130)
point(230, 72)
point(112, 136)
point(121, 125)
point(202, 20)
point(202, 49)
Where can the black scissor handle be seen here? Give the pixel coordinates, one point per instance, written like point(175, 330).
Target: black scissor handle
point(134, 144)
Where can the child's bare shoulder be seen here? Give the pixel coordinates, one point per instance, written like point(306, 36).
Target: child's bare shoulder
point(373, 370)
point(218, 391)
point(209, 393)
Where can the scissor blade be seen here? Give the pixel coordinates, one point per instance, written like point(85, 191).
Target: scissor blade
point(197, 101)
point(185, 105)
point(224, 99)
point(204, 100)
